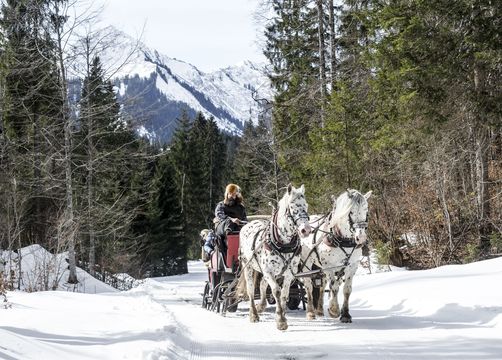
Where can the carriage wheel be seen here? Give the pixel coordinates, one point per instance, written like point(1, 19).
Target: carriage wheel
point(293, 302)
point(227, 296)
point(205, 296)
point(230, 305)
point(294, 296)
point(216, 302)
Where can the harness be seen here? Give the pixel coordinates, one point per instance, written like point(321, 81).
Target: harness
point(334, 239)
point(273, 242)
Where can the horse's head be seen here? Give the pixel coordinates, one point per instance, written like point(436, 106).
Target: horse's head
point(350, 215)
point(296, 209)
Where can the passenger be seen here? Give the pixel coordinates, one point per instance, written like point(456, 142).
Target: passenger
point(209, 239)
point(230, 213)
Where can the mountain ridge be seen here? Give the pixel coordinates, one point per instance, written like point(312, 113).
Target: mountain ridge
point(226, 94)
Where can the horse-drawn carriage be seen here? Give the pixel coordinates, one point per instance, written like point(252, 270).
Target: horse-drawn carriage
point(220, 290)
point(285, 248)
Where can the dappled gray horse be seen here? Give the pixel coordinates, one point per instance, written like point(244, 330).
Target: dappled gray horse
point(334, 249)
point(272, 248)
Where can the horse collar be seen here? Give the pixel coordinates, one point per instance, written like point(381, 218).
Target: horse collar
point(274, 242)
point(334, 239)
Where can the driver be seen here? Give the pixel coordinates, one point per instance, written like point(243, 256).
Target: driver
point(230, 213)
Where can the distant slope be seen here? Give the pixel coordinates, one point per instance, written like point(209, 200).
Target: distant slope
point(155, 89)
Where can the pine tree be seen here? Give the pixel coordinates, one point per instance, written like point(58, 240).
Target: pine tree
point(293, 51)
point(336, 160)
point(109, 155)
point(444, 68)
point(209, 148)
point(165, 249)
point(31, 117)
point(257, 170)
point(199, 158)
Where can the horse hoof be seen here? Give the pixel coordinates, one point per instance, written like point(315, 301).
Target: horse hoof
point(310, 316)
point(346, 319)
point(334, 314)
point(254, 319)
point(282, 326)
point(319, 313)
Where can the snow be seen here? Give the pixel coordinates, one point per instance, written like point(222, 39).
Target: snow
point(228, 92)
point(42, 270)
point(452, 312)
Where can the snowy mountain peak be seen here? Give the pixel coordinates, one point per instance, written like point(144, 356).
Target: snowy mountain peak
point(172, 86)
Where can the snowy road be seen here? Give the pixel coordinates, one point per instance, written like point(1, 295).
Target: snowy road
point(393, 319)
point(453, 312)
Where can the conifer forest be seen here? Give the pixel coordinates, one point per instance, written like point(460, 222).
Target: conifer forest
point(401, 97)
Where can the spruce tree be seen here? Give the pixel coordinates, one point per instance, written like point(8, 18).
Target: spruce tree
point(108, 152)
point(257, 170)
point(164, 251)
point(199, 159)
point(444, 69)
point(31, 108)
point(292, 49)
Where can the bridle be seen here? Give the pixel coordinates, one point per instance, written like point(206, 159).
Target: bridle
point(335, 239)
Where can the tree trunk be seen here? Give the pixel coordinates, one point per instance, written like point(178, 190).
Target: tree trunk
point(91, 151)
point(90, 197)
point(69, 228)
point(482, 147)
point(482, 188)
point(332, 40)
point(322, 61)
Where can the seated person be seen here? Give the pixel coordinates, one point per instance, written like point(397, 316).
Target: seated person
point(209, 241)
point(230, 213)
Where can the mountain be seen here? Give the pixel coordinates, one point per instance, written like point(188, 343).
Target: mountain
point(155, 89)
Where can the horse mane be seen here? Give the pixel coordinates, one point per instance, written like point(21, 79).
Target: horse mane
point(345, 202)
point(287, 197)
point(282, 202)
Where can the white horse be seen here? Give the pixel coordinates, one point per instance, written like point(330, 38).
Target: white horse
point(333, 251)
point(272, 248)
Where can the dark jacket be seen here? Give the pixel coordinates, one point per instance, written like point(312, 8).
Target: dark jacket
point(224, 211)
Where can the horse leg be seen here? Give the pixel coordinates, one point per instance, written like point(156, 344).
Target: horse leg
point(280, 319)
point(333, 307)
point(319, 310)
point(286, 287)
point(310, 298)
point(253, 315)
point(347, 290)
point(263, 296)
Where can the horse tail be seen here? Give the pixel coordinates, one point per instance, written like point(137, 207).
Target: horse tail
point(241, 288)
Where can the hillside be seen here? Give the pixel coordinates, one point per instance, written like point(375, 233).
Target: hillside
point(155, 88)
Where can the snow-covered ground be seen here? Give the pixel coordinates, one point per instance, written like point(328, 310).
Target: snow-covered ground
point(453, 312)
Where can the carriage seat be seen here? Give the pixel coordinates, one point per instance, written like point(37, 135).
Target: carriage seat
point(226, 256)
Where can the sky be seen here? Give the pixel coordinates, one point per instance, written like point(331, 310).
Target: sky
point(452, 312)
point(209, 34)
